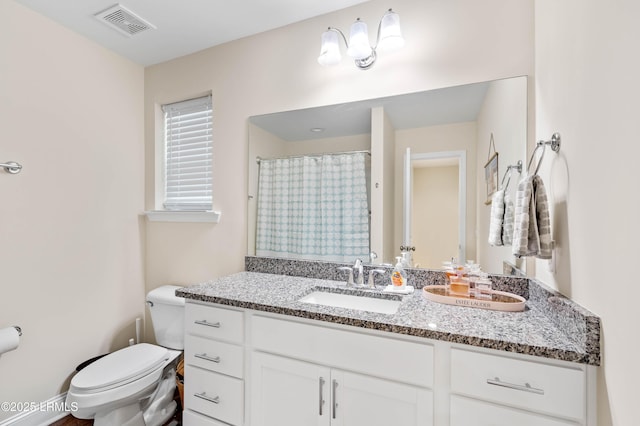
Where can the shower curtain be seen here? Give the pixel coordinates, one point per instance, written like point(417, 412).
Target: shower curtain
point(313, 207)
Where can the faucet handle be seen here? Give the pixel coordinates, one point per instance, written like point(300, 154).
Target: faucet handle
point(371, 279)
point(350, 279)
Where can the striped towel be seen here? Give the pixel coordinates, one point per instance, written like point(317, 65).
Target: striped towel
point(497, 216)
point(507, 225)
point(532, 227)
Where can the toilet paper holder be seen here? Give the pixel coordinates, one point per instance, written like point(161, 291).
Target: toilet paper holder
point(18, 329)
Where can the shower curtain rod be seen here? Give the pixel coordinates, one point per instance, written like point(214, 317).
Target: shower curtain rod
point(258, 159)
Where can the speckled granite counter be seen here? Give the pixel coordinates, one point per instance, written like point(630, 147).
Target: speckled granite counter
point(539, 330)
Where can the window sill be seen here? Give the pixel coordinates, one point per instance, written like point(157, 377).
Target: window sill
point(209, 216)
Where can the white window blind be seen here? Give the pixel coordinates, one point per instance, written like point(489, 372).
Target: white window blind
point(188, 161)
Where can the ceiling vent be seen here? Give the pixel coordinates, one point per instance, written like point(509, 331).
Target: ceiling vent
point(123, 20)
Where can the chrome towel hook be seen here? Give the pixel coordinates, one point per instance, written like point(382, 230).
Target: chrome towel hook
point(11, 167)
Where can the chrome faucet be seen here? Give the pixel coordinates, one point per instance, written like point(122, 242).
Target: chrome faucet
point(350, 279)
point(357, 266)
point(371, 282)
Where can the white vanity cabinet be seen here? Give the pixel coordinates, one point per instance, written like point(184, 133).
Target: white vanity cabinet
point(214, 366)
point(287, 392)
point(303, 374)
point(251, 368)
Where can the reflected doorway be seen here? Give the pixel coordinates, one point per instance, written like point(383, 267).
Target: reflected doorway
point(435, 206)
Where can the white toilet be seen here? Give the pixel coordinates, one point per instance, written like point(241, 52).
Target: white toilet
point(135, 386)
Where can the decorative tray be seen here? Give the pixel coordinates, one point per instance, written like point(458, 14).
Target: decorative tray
point(500, 300)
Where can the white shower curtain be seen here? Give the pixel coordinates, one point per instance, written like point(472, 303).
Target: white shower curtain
point(313, 207)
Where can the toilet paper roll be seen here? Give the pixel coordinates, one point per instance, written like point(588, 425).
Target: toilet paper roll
point(9, 339)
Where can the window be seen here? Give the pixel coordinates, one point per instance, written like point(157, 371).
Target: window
point(188, 155)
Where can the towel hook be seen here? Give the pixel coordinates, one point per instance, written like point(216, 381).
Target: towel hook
point(11, 167)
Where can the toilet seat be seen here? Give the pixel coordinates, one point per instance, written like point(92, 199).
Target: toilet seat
point(119, 368)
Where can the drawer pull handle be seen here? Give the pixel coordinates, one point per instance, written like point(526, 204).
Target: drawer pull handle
point(320, 392)
point(203, 395)
point(206, 357)
point(208, 324)
point(526, 388)
point(335, 402)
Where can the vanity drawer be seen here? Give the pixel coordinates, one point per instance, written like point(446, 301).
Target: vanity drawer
point(214, 322)
point(545, 388)
point(190, 418)
point(214, 395)
point(220, 357)
point(384, 357)
point(465, 412)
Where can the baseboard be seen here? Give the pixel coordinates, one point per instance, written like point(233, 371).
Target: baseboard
point(43, 414)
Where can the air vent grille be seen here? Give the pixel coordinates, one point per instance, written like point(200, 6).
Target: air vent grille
point(123, 20)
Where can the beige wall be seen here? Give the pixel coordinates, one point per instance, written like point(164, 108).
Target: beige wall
point(71, 252)
point(587, 69)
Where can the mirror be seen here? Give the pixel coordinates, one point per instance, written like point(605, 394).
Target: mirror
point(443, 137)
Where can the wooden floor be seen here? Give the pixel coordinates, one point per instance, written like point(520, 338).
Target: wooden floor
point(72, 421)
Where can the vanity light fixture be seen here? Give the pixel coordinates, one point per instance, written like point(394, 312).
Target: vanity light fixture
point(389, 37)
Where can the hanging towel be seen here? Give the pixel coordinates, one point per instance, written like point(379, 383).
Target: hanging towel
point(507, 224)
point(532, 227)
point(542, 218)
point(497, 217)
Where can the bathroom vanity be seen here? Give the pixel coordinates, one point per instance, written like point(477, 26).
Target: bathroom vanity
point(255, 355)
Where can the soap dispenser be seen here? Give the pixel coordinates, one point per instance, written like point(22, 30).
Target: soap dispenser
point(399, 276)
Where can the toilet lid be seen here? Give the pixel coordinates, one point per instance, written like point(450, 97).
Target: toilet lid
point(120, 367)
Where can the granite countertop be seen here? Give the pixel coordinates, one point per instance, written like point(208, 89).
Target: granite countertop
point(533, 331)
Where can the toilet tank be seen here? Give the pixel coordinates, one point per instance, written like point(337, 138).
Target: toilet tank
point(167, 316)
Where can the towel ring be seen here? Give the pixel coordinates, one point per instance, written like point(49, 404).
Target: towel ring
point(517, 166)
point(555, 147)
point(533, 155)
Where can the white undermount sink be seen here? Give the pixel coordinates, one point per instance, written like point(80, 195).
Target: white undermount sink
point(350, 301)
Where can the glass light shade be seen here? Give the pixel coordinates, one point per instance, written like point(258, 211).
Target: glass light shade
point(359, 47)
point(329, 49)
point(390, 35)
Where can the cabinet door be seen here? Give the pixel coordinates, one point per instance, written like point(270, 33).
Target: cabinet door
point(287, 392)
point(466, 411)
point(359, 400)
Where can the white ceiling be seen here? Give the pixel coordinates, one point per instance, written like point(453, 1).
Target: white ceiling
point(183, 26)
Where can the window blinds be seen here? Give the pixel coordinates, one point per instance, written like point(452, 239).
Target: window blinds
point(188, 161)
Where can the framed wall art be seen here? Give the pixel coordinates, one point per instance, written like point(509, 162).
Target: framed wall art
point(491, 171)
